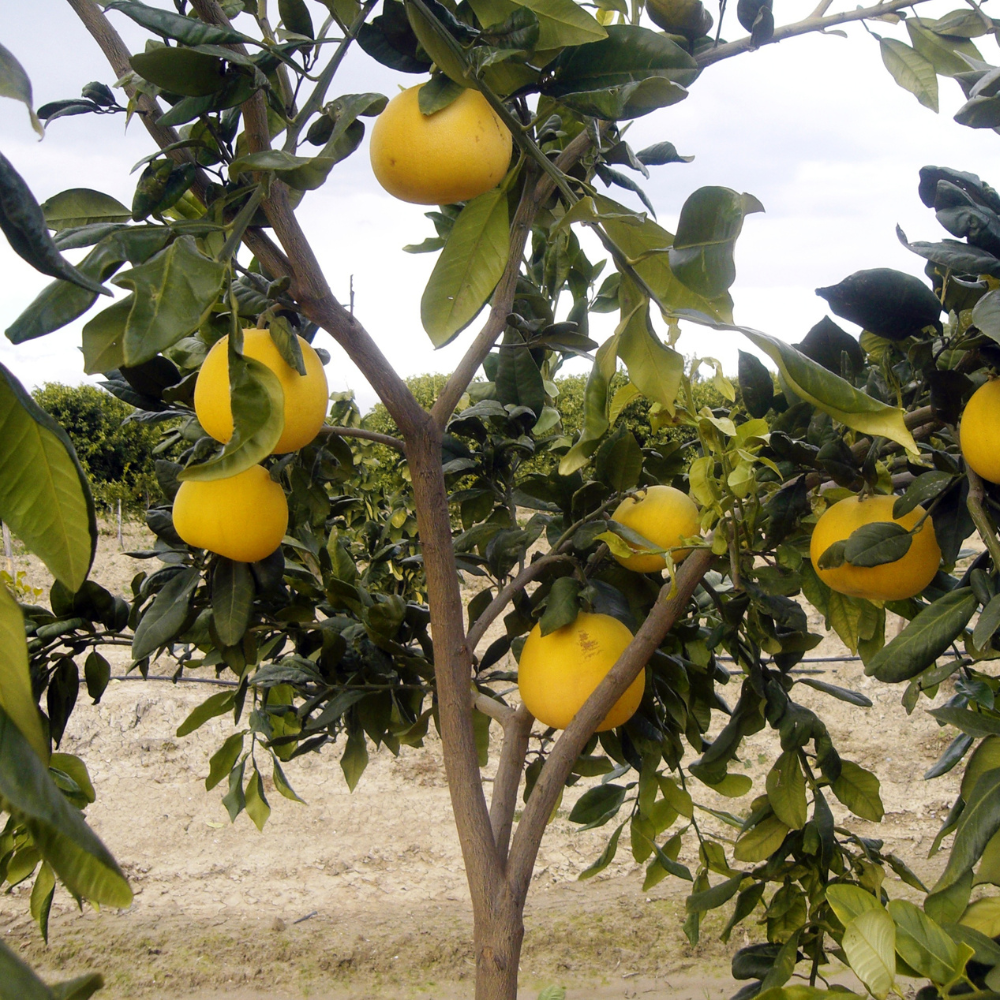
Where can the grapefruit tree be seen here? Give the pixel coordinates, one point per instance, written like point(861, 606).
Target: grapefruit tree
point(337, 605)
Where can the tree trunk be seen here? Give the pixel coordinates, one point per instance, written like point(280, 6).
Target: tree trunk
point(498, 940)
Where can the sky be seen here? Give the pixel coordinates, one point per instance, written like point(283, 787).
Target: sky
point(814, 127)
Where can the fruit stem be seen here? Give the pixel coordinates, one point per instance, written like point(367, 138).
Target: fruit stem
point(982, 520)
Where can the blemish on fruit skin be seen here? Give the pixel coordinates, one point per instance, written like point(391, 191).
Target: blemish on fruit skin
point(588, 646)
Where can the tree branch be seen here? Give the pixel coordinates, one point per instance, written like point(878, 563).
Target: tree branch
point(117, 54)
point(982, 520)
point(810, 24)
point(496, 710)
point(503, 295)
point(309, 286)
point(330, 430)
point(503, 598)
point(668, 609)
point(508, 777)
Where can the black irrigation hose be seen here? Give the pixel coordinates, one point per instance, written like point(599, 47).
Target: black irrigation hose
point(218, 682)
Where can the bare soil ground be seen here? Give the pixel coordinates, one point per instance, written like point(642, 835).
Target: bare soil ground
point(364, 895)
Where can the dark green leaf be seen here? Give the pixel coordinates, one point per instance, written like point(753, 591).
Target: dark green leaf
point(661, 153)
point(925, 487)
point(562, 606)
point(716, 896)
point(256, 801)
point(885, 302)
point(619, 466)
point(235, 800)
point(174, 292)
point(925, 638)
point(354, 760)
point(842, 694)
point(972, 723)
point(166, 616)
point(211, 708)
point(295, 17)
point(989, 622)
point(786, 790)
point(607, 856)
point(954, 256)
point(597, 805)
point(518, 379)
point(877, 544)
point(224, 759)
point(232, 599)
point(979, 821)
point(438, 93)
point(756, 385)
point(187, 30)
point(23, 223)
point(858, 789)
point(181, 71)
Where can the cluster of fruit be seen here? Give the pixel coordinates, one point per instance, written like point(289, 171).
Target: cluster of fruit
point(244, 517)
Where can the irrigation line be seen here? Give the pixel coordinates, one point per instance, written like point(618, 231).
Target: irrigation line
point(218, 682)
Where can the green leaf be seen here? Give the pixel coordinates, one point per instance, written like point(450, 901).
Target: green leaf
point(595, 407)
point(102, 338)
point(850, 901)
point(16, 696)
point(716, 896)
point(627, 74)
point(984, 758)
point(911, 71)
point(870, 946)
point(973, 723)
point(256, 802)
point(174, 293)
point(518, 379)
point(597, 805)
point(187, 30)
point(181, 70)
point(989, 622)
point(165, 617)
point(925, 487)
point(979, 821)
point(710, 223)
point(44, 495)
point(42, 893)
point(14, 83)
point(761, 841)
point(619, 464)
point(23, 224)
point(563, 23)
point(562, 606)
point(19, 982)
point(354, 760)
point(232, 600)
point(438, 93)
point(281, 782)
point(607, 856)
point(235, 800)
point(468, 269)
point(295, 17)
point(830, 393)
point(786, 790)
point(57, 828)
point(922, 943)
point(858, 789)
point(944, 54)
point(211, 708)
point(647, 244)
point(877, 544)
point(82, 207)
point(224, 759)
point(97, 673)
point(841, 694)
point(925, 638)
point(258, 406)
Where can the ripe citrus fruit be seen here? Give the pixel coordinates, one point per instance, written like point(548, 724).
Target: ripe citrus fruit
point(306, 396)
point(242, 518)
point(663, 515)
point(452, 155)
point(895, 581)
point(558, 671)
point(979, 431)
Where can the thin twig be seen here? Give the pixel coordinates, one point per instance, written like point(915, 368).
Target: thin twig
point(810, 24)
point(508, 776)
point(496, 710)
point(359, 432)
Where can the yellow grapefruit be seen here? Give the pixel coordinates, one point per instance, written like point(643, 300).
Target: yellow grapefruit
point(895, 581)
point(980, 431)
point(456, 153)
point(306, 396)
point(665, 516)
point(243, 517)
point(558, 671)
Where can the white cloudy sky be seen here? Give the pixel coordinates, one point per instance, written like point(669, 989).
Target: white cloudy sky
point(814, 127)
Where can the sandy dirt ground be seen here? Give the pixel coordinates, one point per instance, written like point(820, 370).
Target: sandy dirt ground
point(364, 895)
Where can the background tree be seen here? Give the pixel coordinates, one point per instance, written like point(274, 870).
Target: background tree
point(355, 630)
